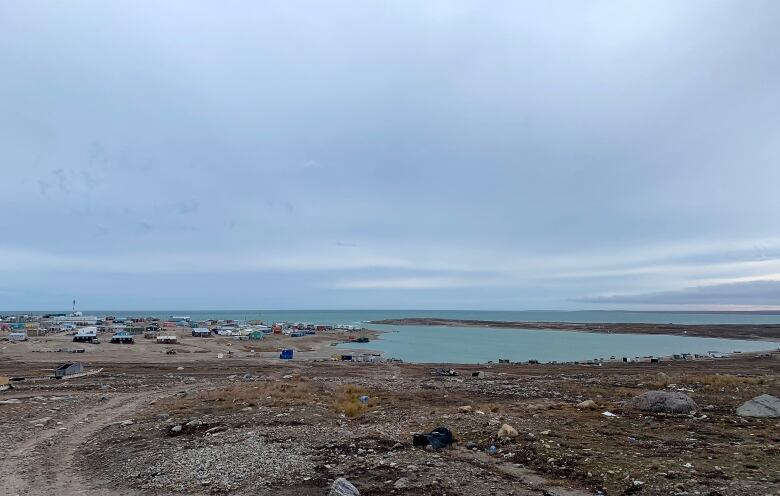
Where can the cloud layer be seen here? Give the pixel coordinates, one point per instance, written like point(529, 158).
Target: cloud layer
point(409, 155)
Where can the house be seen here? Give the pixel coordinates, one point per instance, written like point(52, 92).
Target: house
point(122, 337)
point(67, 369)
point(201, 332)
point(86, 335)
point(76, 318)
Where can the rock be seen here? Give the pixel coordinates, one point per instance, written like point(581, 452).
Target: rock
point(401, 483)
point(12, 401)
point(663, 402)
point(176, 429)
point(179, 368)
point(465, 409)
point(41, 421)
point(587, 405)
point(507, 431)
point(545, 433)
point(397, 446)
point(765, 405)
point(126, 423)
point(342, 487)
point(529, 436)
point(662, 376)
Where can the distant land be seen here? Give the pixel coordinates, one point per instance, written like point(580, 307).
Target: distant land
point(763, 332)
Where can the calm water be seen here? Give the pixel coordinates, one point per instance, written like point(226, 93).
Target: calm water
point(477, 345)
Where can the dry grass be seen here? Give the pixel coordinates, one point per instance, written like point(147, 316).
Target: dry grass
point(725, 380)
point(295, 391)
point(711, 380)
point(348, 401)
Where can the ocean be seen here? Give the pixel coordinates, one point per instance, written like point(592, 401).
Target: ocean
point(358, 316)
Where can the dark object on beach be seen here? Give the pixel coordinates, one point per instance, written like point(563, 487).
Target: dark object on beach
point(438, 438)
point(362, 339)
point(446, 372)
point(663, 402)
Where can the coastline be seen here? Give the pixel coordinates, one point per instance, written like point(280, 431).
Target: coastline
point(748, 332)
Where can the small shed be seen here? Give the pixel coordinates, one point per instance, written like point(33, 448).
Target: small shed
point(201, 332)
point(286, 354)
point(67, 369)
point(170, 339)
point(256, 335)
point(18, 336)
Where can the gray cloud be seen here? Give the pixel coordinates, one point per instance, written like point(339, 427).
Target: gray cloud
point(516, 155)
point(750, 293)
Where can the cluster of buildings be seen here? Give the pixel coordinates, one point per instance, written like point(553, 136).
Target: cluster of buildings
point(124, 330)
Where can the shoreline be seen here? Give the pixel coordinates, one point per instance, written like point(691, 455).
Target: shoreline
point(747, 332)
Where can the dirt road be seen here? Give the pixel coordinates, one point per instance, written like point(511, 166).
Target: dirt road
point(43, 463)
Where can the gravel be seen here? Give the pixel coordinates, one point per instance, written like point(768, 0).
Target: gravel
point(222, 463)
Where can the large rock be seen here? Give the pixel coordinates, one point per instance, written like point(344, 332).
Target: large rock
point(765, 405)
point(342, 487)
point(507, 431)
point(587, 405)
point(663, 402)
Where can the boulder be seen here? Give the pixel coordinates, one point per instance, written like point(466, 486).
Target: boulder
point(465, 409)
point(342, 487)
point(663, 402)
point(401, 483)
point(507, 431)
point(587, 405)
point(765, 405)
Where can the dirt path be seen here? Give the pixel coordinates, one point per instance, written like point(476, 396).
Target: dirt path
point(44, 464)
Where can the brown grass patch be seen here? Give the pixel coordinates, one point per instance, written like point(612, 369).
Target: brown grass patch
point(295, 391)
point(348, 401)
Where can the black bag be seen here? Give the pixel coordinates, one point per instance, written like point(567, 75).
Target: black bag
point(438, 438)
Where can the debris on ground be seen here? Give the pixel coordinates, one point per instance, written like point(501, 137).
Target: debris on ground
point(438, 438)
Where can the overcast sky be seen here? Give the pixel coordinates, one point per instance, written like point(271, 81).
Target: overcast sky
point(358, 154)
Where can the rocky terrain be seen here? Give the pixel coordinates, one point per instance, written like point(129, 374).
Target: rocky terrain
point(294, 428)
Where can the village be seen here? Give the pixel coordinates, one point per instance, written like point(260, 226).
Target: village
point(78, 333)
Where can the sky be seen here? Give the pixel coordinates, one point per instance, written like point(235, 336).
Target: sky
point(390, 155)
